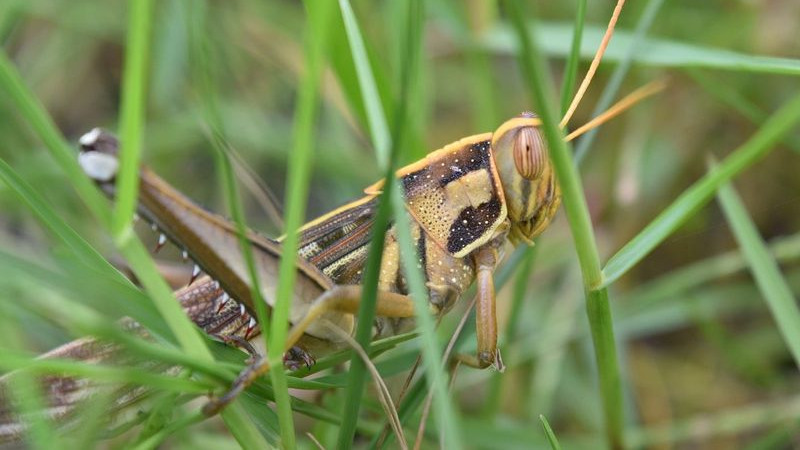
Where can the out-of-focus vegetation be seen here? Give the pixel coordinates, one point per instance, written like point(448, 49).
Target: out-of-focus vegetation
point(702, 359)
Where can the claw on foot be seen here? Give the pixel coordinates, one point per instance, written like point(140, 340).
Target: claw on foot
point(239, 342)
point(296, 357)
point(245, 379)
point(293, 359)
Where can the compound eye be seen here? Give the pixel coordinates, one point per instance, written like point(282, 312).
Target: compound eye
point(530, 152)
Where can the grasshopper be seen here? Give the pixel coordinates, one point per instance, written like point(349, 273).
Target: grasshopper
point(466, 199)
point(461, 183)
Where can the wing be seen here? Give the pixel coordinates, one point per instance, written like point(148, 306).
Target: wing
point(337, 242)
point(455, 194)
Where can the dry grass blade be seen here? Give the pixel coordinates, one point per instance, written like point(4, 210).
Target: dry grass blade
point(315, 441)
point(445, 358)
point(257, 188)
point(384, 396)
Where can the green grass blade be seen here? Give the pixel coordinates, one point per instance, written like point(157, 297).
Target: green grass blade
point(692, 276)
point(133, 250)
point(142, 264)
point(739, 102)
point(768, 276)
point(297, 193)
point(156, 439)
point(597, 306)
point(571, 69)
point(652, 52)
point(431, 348)
point(696, 196)
point(243, 428)
point(13, 360)
point(34, 113)
point(376, 116)
point(572, 191)
point(379, 132)
point(134, 80)
point(366, 313)
point(55, 224)
point(485, 109)
point(551, 437)
point(23, 392)
point(206, 70)
point(391, 194)
point(729, 422)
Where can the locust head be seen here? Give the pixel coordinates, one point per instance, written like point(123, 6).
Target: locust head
point(527, 175)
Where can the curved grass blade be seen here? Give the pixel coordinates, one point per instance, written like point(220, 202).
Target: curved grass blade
point(733, 421)
point(244, 430)
point(555, 38)
point(15, 360)
point(25, 393)
point(376, 118)
point(376, 113)
point(134, 80)
point(697, 195)
point(379, 132)
point(85, 252)
point(34, 113)
point(692, 276)
point(551, 437)
point(366, 312)
point(571, 69)
point(597, 306)
point(739, 102)
point(319, 17)
point(203, 55)
point(771, 283)
point(133, 250)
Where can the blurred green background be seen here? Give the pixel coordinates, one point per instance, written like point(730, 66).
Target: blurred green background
point(702, 362)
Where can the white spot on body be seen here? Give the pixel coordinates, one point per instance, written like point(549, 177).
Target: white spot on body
point(90, 137)
point(99, 166)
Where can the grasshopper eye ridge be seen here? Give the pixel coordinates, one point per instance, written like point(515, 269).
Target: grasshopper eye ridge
point(530, 152)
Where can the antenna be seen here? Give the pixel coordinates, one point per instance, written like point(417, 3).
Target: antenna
point(593, 67)
point(631, 99)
